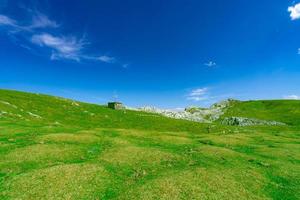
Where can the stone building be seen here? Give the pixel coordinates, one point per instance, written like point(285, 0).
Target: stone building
point(115, 105)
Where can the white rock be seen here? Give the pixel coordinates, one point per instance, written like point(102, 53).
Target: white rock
point(205, 115)
point(9, 104)
point(34, 115)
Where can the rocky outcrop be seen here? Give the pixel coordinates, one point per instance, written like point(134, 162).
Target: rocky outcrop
point(243, 121)
point(197, 114)
point(175, 114)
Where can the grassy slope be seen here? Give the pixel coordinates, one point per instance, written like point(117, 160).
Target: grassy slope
point(287, 111)
point(83, 151)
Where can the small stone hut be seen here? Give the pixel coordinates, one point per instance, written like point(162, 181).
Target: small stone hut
point(115, 105)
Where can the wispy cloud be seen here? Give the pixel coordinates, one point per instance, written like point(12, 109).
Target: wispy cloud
point(6, 21)
point(295, 11)
point(199, 94)
point(210, 64)
point(62, 47)
point(40, 20)
point(125, 66)
point(293, 97)
point(107, 59)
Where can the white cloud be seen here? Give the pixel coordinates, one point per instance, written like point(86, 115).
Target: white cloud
point(199, 94)
point(62, 47)
point(40, 20)
point(69, 48)
point(6, 21)
point(295, 11)
point(125, 66)
point(210, 64)
point(107, 59)
point(197, 98)
point(293, 97)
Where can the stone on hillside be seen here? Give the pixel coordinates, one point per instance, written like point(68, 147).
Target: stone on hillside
point(243, 121)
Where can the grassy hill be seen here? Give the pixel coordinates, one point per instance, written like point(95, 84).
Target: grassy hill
point(287, 111)
point(55, 148)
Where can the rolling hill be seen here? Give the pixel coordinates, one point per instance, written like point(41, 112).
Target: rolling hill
point(56, 148)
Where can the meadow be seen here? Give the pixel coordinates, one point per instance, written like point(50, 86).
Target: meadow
point(56, 148)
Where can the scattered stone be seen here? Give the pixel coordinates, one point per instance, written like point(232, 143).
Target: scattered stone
point(139, 173)
point(34, 115)
point(2, 113)
point(259, 163)
point(243, 121)
point(8, 104)
point(74, 103)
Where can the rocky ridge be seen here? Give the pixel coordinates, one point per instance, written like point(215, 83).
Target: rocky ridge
point(197, 114)
point(209, 115)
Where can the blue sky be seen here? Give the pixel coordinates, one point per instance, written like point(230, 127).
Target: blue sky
point(168, 54)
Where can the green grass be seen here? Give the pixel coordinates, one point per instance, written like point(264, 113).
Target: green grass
point(287, 111)
point(54, 148)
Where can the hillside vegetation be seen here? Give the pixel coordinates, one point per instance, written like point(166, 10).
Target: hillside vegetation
point(286, 111)
point(55, 148)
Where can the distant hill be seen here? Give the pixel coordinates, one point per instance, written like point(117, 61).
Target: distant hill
point(38, 108)
point(30, 108)
point(258, 112)
point(286, 111)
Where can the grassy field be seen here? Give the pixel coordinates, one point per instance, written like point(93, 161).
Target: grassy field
point(55, 148)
